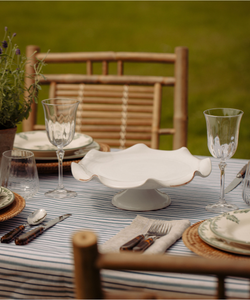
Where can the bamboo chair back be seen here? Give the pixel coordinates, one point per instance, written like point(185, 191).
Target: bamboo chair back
point(119, 110)
point(88, 263)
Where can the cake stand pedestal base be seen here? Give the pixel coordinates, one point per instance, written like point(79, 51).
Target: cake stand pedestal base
point(141, 200)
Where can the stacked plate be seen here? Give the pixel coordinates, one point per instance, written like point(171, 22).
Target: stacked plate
point(39, 144)
point(6, 197)
point(228, 232)
point(11, 204)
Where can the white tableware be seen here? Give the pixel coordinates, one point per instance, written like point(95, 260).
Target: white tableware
point(19, 173)
point(141, 171)
point(79, 153)
point(211, 239)
point(39, 144)
point(6, 197)
point(233, 227)
point(222, 140)
point(60, 121)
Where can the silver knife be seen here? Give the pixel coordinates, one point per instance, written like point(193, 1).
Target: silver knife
point(27, 237)
point(237, 180)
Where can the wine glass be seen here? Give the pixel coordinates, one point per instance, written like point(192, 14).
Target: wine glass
point(60, 120)
point(19, 172)
point(223, 126)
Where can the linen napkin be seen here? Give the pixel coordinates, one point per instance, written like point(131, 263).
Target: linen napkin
point(140, 225)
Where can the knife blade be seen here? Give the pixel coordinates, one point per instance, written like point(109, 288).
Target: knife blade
point(237, 180)
point(27, 237)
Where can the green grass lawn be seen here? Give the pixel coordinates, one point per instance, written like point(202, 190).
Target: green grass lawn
point(216, 33)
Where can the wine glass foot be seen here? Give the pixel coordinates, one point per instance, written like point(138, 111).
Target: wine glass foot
point(221, 208)
point(60, 194)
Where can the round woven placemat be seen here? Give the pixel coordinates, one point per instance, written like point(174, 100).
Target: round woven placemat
point(52, 167)
point(192, 240)
point(13, 209)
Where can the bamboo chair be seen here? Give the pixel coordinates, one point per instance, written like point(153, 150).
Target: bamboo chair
point(88, 262)
point(119, 110)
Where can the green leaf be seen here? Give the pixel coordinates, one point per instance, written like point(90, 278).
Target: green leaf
point(232, 218)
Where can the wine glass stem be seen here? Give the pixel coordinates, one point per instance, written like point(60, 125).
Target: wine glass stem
point(222, 166)
point(60, 155)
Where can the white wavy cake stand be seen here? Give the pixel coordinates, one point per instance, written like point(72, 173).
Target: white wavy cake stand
point(140, 171)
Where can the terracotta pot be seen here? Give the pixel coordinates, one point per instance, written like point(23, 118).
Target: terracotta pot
point(7, 137)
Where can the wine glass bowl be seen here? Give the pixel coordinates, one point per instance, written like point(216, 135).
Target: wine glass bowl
point(222, 140)
point(19, 173)
point(60, 119)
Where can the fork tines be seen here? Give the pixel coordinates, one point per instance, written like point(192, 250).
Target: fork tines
point(159, 228)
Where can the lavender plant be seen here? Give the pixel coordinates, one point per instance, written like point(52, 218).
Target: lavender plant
point(15, 104)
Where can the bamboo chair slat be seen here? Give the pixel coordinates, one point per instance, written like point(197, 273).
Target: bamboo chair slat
point(107, 56)
point(84, 94)
point(120, 67)
point(113, 121)
point(166, 130)
point(112, 88)
point(105, 67)
point(107, 79)
point(110, 128)
point(89, 67)
point(89, 87)
point(110, 100)
point(117, 136)
point(39, 127)
point(191, 265)
point(111, 108)
point(98, 114)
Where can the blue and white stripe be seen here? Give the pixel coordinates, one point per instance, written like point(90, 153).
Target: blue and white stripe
point(43, 269)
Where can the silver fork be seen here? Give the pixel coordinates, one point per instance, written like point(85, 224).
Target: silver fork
point(157, 230)
point(156, 226)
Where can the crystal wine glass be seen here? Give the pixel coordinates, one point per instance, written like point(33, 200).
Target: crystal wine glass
point(18, 173)
point(60, 119)
point(223, 126)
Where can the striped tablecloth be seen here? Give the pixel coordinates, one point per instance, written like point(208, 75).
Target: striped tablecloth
point(43, 269)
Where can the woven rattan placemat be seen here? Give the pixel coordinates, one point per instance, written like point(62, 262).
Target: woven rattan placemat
point(52, 167)
point(192, 240)
point(13, 209)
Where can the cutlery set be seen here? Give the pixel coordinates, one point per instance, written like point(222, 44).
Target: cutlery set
point(35, 218)
point(144, 241)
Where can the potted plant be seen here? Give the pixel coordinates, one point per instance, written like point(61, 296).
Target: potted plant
point(15, 97)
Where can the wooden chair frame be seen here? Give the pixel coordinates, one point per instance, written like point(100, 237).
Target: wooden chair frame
point(179, 81)
point(88, 262)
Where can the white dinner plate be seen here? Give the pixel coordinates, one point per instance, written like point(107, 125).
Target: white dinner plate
point(39, 144)
point(80, 153)
point(211, 239)
point(233, 227)
point(6, 197)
